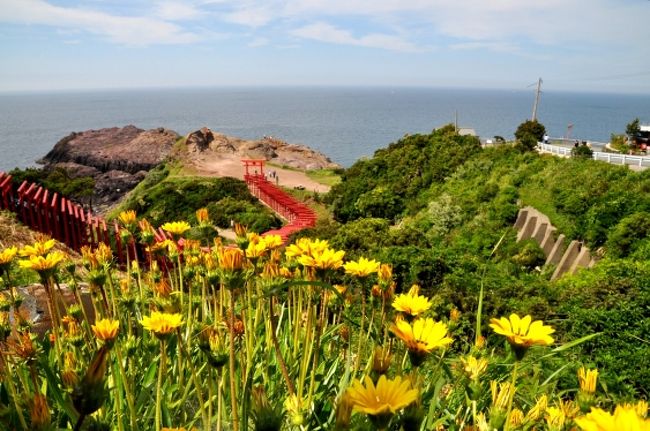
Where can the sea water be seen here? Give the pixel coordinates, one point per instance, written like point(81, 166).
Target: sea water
point(344, 123)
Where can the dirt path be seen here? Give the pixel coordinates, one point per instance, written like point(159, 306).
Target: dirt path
point(226, 165)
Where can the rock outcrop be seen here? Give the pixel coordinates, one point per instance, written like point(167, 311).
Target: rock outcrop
point(117, 158)
point(268, 148)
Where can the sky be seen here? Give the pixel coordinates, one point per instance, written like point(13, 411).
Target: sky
point(573, 45)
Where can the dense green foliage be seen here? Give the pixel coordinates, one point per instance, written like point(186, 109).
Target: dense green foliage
point(59, 181)
point(386, 185)
point(442, 213)
point(162, 198)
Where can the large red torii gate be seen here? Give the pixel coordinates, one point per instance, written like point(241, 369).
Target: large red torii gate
point(253, 164)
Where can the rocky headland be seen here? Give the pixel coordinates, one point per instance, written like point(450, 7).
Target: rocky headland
point(205, 142)
point(117, 158)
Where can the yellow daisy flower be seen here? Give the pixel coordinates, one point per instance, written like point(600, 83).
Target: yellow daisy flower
point(106, 329)
point(176, 228)
point(325, 259)
point(127, 218)
point(387, 398)
point(624, 418)
point(361, 268)
point(421, 338)
point(256, 249)
point(39, 248)
point(522, 332)
point(411, 305)
point(8, 254)
point(43, 264)
point(162, 323)
point(555, 418)
point(272, 241)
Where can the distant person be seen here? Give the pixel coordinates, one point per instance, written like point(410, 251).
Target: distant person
point(545, 138)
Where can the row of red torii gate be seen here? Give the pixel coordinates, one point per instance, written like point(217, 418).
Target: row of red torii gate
point(67, 222)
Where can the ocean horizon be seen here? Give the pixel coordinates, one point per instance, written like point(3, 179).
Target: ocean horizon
point(345, 123)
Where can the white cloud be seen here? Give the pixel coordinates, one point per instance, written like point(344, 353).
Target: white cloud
point(120, 29)
point(324, 32)
point(176, 11)
point(250, 16)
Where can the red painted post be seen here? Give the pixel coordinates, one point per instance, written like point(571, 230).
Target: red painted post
point(31, 208)
point(5, 187)
point(81, 223)
point(72, 225)
point(57, 220)
point(47, 213)
point(65, 222)
point(38, 210)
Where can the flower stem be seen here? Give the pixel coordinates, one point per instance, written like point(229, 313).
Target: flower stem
point(512, 395)
point(278, 353)
point(163, 355)
point(233, 394)
point(12, 390)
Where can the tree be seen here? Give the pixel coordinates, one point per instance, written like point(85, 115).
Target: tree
point(633, 128)
point(528, 134)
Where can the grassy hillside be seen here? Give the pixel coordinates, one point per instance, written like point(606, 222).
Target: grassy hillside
point(163, 197)
point(442, 213)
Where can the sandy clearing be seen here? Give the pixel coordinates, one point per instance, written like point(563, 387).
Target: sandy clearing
point(227, 165)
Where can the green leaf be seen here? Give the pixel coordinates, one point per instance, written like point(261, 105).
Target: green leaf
point(150, 375)
point(577, 342)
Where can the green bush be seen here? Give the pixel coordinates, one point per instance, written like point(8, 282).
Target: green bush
point(389, 184)
point(530, 255)
point(174, 199)
point(612, 299)
point(629, 234)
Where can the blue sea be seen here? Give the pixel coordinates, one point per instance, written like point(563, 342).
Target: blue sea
point(344, 123)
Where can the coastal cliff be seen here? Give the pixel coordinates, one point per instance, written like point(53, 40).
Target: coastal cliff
point(117, 158)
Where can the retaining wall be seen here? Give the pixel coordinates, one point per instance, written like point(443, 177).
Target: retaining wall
point(567, 258)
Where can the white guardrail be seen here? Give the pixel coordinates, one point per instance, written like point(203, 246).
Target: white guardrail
point(618, 159)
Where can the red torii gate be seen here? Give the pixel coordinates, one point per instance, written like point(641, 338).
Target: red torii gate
point(253, 164)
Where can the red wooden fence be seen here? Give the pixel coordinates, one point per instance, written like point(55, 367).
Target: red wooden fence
point(62, 219)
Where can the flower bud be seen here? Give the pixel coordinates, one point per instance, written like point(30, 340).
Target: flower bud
point(89, 395)
point(39, 413)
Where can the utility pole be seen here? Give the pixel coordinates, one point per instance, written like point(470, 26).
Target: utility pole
point(537, 93)
point(456, 121)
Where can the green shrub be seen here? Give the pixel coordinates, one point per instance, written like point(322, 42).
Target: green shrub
point(612, 299)
point(530, 255)
point(178, 199)
point(628, 234)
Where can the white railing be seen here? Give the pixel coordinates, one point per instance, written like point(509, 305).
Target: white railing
point(618, 159)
